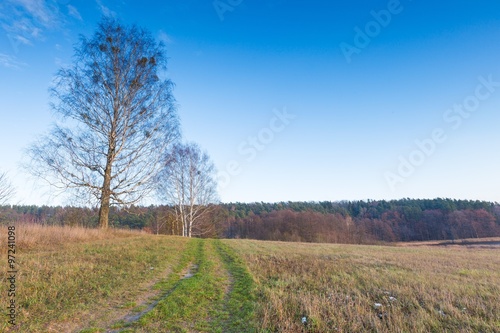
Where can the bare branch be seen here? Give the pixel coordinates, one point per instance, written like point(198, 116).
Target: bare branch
point(6, 189)
point(120, 119)
point(188, 183)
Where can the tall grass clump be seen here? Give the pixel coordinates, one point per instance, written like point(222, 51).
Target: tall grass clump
point(35, 236)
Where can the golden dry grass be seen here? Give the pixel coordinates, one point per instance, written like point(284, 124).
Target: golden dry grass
point(35, 236)
point(495, 241)
point(74, 277)
point(336, 287)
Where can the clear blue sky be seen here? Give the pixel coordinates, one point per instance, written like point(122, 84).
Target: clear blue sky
point(317, 100)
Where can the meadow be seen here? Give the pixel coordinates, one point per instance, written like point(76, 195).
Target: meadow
point(84, 280)
point(348, 288)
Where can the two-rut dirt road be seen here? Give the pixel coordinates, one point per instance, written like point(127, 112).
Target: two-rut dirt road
point(208, 290)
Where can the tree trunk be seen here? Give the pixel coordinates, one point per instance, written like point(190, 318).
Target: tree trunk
point(104, 212)
point(105, 196)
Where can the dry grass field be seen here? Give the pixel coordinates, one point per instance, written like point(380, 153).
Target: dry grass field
point(71, 277)
point(39, 237)
point(345, 288)
point(86, 281)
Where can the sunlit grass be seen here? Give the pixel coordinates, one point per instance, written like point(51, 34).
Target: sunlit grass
point(345, 288)
point(73, 279)
point(208, 301)
point(38, 237)
point(62, 286)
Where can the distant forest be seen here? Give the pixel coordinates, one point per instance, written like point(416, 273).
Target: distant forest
point(360, 222)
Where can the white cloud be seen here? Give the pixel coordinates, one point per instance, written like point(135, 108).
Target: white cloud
point(74, 12)
point(18, 39)
point(28, 21)
point(43, 12)
point(164, 37)
point(10, 62)
point(25, 21)
point(105, 10)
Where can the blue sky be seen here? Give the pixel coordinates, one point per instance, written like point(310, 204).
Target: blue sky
point(318, 100)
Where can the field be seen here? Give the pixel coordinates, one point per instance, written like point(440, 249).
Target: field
point(340, 288)
point(79, 280)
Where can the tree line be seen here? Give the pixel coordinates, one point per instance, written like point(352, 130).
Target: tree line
point(364, 221)
point(359, 222)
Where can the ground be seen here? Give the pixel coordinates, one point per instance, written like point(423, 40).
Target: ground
point(135, 282)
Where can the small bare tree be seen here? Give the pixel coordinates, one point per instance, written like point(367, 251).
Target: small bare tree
point(121, 119)
point(188, 183)
point(6, 189)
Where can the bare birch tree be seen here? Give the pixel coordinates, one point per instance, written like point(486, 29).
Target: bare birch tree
point(188, 183)
point(6, 189)
point(119, 119)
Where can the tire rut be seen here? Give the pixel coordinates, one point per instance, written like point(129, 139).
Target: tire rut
point(238, 304)
point(151, 303)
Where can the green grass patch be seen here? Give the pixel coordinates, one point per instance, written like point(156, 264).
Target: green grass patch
point(128, 305)
point(192, 301)
point(241, 300)
point(92, 330)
